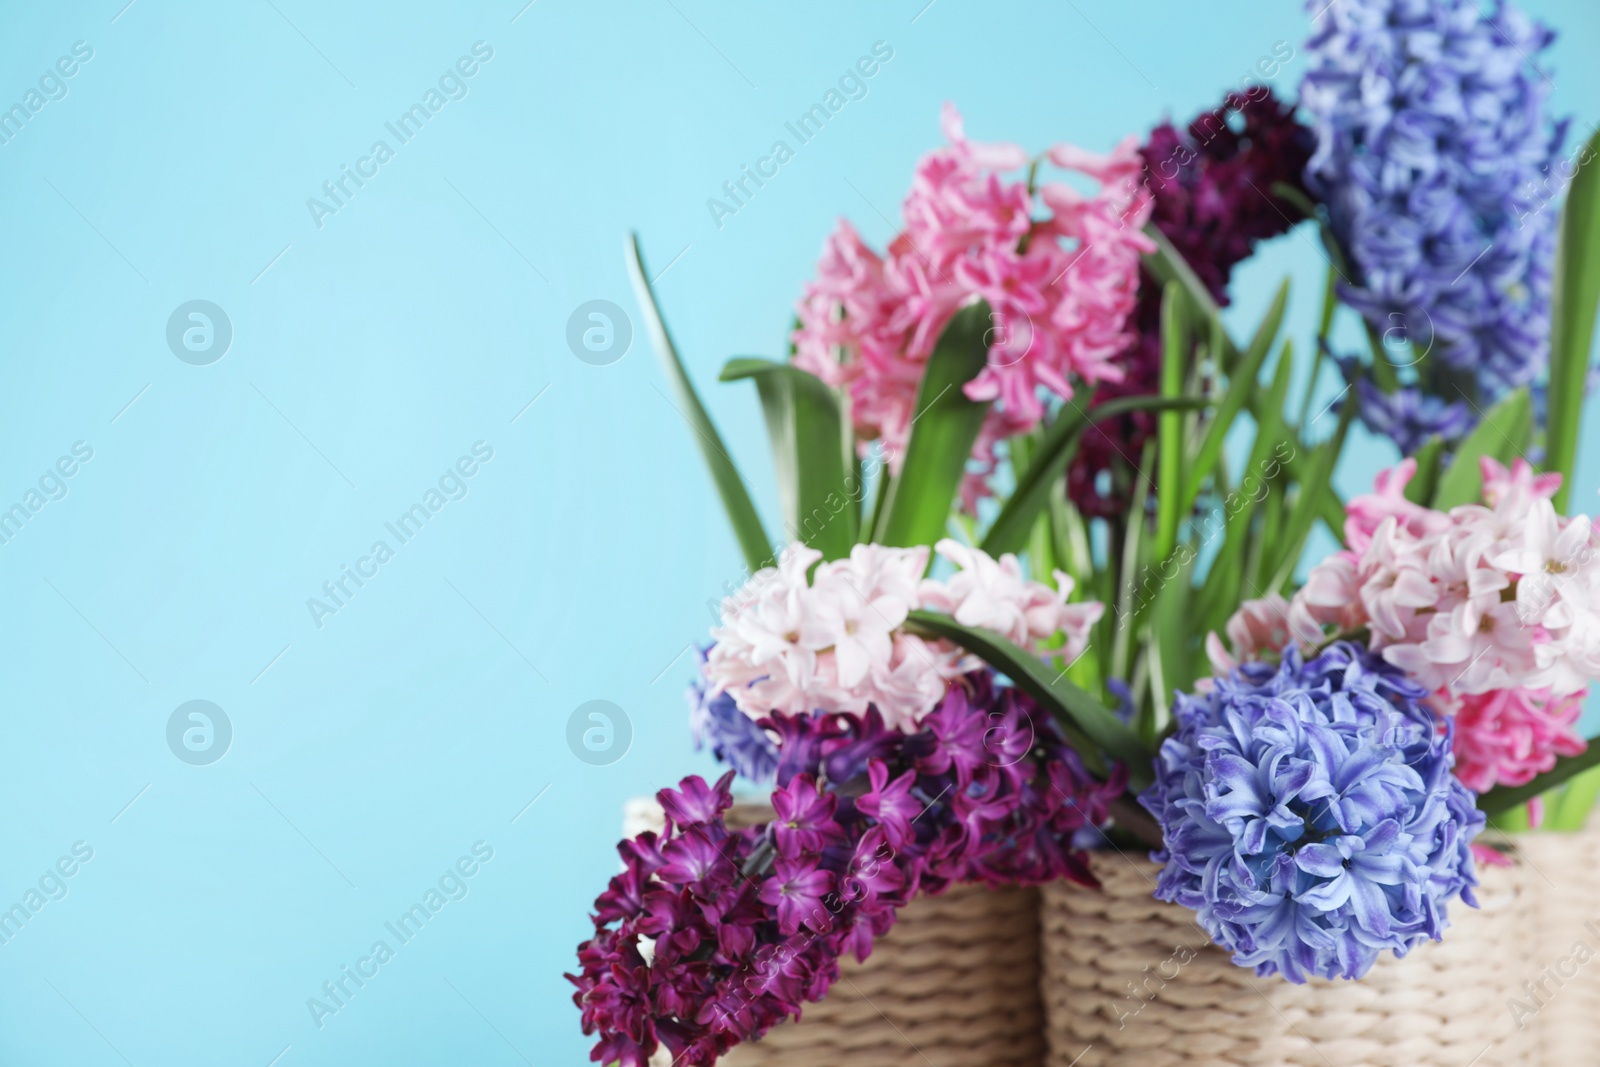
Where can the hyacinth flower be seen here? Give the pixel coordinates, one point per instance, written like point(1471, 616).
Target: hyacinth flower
point(1215, 187)
point(810, 635)
point(1057, 269)
point(711, 936)
point(1491, 606)
point(734, 737)
point(1005, 296)
point(1310, 816)
point(1437, 164)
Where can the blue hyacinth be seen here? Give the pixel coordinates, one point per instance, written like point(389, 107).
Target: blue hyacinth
point(734, 737)
point(1310, 816)
point(1409, 416)
point(1439, 170)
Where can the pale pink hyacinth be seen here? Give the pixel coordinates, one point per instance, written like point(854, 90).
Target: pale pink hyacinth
point(1260, 626)
point(838, 642)
point(1500, 595)
point(993, 594)
point(1059, 269)
point(1495, 607)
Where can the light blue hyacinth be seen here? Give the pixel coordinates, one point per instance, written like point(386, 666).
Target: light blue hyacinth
point(1441, 175)
point(1310, 816)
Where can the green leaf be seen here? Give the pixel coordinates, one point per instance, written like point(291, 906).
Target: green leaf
point(1304, 512)
point(858, 475)
point(1421, 488)
point(730, 486)
point(1067, 702)
point(1129, 569)
point(1167, 264)
point(812, 452)
point(1330, 304)
point(943, 431)
point(1302, 203)
point(1569, 807)
point(1503, 798)
point(1504, 434)
point(1175, 345)
point(1241, 383)
point(1221, 590)
point(1572, 314)
point(1270, 535)
point(1070, 548)
point(1383, 372)
point(1009, 532)
point(1173, 641)
point(880, 494)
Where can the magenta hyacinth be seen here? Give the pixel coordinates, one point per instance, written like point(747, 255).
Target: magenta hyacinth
point(710, 936)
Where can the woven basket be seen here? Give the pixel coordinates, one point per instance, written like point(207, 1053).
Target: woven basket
point(954, 984)
point(1561, 1002)
point(1131, 981)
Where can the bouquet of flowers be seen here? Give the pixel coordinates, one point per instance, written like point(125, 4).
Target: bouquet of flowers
point(1027, 602)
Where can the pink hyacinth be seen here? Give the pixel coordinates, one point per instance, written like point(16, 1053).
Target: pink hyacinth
point(1509, 736)
point(1364, 514)
point(1259, 626)
point(837, 641)
point(1059, 270)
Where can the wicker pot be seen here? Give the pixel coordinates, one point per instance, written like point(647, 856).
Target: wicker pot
point(1131, 981)
point(1561, 1002)
point(954, 984)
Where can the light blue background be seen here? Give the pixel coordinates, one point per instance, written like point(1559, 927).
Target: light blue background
point(377, 349)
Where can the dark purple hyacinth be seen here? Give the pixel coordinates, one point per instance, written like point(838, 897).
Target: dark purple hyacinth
point(1310, 816)
point(1441, 172)
point(711, 936)
point(1215, 202)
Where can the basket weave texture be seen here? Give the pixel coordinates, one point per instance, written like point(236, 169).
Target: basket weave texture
point(1132, 981)
point(955, 983)
point(1561, 1001)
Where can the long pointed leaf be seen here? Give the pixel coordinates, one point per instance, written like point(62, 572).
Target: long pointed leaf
point(1421, 488)
point(747, 529)
point(1241, 383)
point(1167, 264)
point(1572, 317)
point(943, 431)
point(1173, 641)
point(810, 449)
point(1132, 576)
point(1504, 433)
point(1304, 514)
point(1175, 347)
point(1220, 591)
point(1503, 798)
point(1009, 532)
point(1040, 681)
point(1569, 808)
